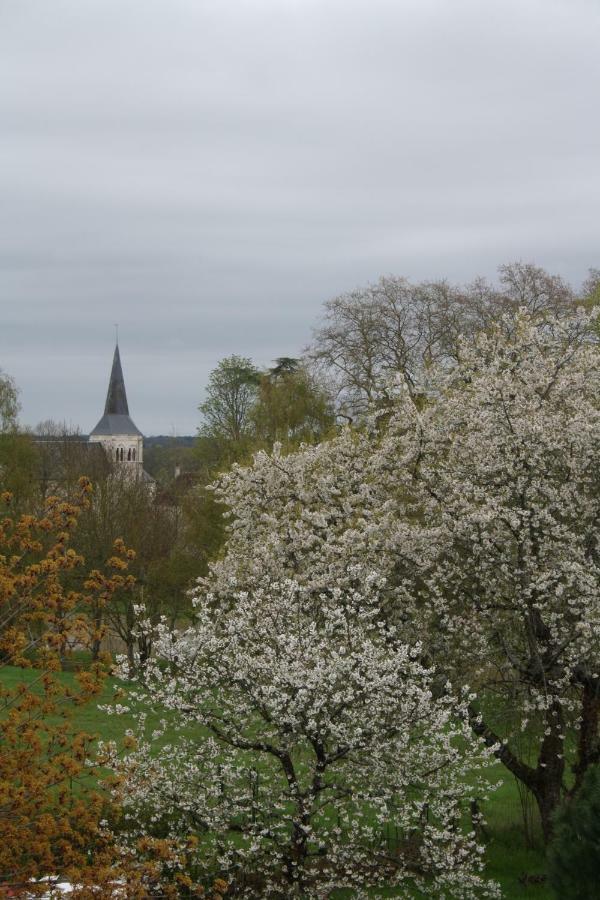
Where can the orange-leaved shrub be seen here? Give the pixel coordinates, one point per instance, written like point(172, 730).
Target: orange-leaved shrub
point(53, 811)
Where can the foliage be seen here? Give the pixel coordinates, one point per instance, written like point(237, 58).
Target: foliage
point(9, 403)
point(17, 458)
point(52, 817)
point(284, 405)
point(230, 394)
point(590, 293)
point(163, 459)
point(40, 622)
point(574, 854)
point(591, 287)
point(18, 469)
point(125, 508)
point(291, 407)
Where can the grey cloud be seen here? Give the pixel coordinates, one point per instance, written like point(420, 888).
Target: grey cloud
point(208, 173)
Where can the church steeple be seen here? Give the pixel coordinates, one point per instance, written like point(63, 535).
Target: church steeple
point(122, 441)
point(116, 420)
point(116, 397)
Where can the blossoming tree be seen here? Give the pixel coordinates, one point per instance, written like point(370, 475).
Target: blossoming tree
point(493, 521)
point(450, 541)
point(320, 732)
point(321, 728)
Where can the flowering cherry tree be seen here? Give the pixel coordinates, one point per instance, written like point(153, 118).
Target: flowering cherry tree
point(322, 735)
point(306, 516)
point(450, 541)
point(493, 520)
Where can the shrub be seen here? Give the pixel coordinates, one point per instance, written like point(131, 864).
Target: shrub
point(574, 854)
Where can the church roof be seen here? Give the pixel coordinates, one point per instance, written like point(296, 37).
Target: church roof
point(116, 397)
point(116, 411)
point(116, 425)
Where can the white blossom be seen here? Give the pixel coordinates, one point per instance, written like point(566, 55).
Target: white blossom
point(308, 733)
point(321, 694)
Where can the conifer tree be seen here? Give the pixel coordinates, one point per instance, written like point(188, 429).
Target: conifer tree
point(574, 855)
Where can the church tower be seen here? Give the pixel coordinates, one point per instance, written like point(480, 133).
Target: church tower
point(123, 442)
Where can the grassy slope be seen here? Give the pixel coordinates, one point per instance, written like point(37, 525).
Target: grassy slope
point(507, 857)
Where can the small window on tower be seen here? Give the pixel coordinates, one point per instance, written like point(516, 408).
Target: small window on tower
point(129, 455)
point(117, 455)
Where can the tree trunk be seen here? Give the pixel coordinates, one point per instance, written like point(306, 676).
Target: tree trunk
point(548, 795)
point(545, 781)
point(296, 857)
point(97, 639)
point(130, 656)
point(144, 648)
point(96, 644)
point(588, 749)
point(548, 782)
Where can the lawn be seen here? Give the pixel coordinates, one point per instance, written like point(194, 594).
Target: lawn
point(509, 861)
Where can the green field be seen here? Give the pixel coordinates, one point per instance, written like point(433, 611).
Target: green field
point(509, 861)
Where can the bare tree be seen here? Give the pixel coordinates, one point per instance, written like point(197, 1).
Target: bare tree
point(591, 286)
point(529, 286)
point(399, 326)
point(63, 455)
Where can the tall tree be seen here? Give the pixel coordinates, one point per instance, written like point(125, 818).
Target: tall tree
point(480, 504)
point(290, 406)
point(497, 511)
point(63, 457)
point(17, 456)
point(9, 403)
point(591, 287)
point(124, 509)
point(399, 327)
point(230, 394)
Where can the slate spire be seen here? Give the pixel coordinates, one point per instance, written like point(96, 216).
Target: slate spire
point(116, 397)
point(116, 418)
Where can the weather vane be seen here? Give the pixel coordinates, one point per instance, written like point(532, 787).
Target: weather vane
point(117, 332)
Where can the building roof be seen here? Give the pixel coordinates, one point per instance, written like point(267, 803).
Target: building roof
point(109, 424)
point(116, 411)
point(116, 397)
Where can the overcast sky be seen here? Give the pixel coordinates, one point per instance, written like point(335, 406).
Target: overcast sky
point(208, 172)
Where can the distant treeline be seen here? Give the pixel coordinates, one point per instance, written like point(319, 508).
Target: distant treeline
point(167, 440)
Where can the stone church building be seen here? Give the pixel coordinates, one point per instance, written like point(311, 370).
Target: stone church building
point(116, 431)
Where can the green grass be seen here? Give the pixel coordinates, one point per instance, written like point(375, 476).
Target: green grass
point(89, 717)
point(509, 860)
